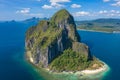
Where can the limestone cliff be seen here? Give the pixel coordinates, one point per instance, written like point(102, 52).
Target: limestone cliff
point(49, 39)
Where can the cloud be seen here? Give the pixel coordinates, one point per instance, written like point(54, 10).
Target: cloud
point(47, 6)
point(103, 11)
point(75, 6)
point(56, 5)
point(59, 1)
point(52, 5)
point(81, 13)
point(114, 12)
point(109, 12)
point(26, 12)
point(23, 11)
point(117, 3)
point(114, 2)
point(106, 0)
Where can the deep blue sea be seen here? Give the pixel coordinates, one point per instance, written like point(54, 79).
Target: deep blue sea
point(106, 47)
point(13, 66)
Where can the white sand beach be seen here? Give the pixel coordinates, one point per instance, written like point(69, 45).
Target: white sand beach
point(94, 31)
point(104, 68)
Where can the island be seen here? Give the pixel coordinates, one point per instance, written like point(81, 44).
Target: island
point(109, 25)
point(56, 46)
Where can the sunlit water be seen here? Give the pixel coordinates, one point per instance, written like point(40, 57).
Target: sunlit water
point(13, 65)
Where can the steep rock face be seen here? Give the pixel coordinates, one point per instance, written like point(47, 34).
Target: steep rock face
point(65, 20)
point(49, 39)
point(82, 49)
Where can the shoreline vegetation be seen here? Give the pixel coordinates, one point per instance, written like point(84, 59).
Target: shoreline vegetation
point(83, 74)
point(103, 24)
point(103, 68)
point(98, 31)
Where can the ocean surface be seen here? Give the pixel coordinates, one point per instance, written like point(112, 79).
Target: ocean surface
point(13, 66)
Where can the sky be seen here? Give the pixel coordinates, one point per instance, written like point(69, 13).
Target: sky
point(80, 9)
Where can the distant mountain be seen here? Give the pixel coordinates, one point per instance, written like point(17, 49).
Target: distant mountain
point(100, 24)
point(109, 20)
point(35, 20)
point(21, 24)
point(30, 20)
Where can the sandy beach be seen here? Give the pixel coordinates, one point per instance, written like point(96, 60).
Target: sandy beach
point(84, 72)
point(102, 69)
point(94, 31)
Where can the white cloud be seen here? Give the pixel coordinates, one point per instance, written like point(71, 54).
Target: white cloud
point(81, 13)
point(103, 11)
point(26, 12)
point(53, 4)
point(114, 2)
point(75, 6)
point(59, 1)
point(56, 5)
point(47, 6)
point(23, 11)
point(113, 11)
point(106, 0)
point(109, 12)
point(117, 3)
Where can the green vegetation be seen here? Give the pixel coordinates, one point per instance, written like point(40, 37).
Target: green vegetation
point(55, 44)
point(48, 37)
point(44, 37)
point(104, 29)
point(106, 25)
point(72, 61)
point(61, 16)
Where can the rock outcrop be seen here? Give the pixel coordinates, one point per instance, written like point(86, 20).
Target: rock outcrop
point(49, 39)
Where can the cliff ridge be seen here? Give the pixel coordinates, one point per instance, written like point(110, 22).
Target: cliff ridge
point(49, 40)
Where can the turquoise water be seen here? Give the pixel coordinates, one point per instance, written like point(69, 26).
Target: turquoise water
point(13, 65)
point(105, 46)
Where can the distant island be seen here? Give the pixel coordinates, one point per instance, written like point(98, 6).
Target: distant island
point(105, 25)
point(55, 46)
point(109, 25)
